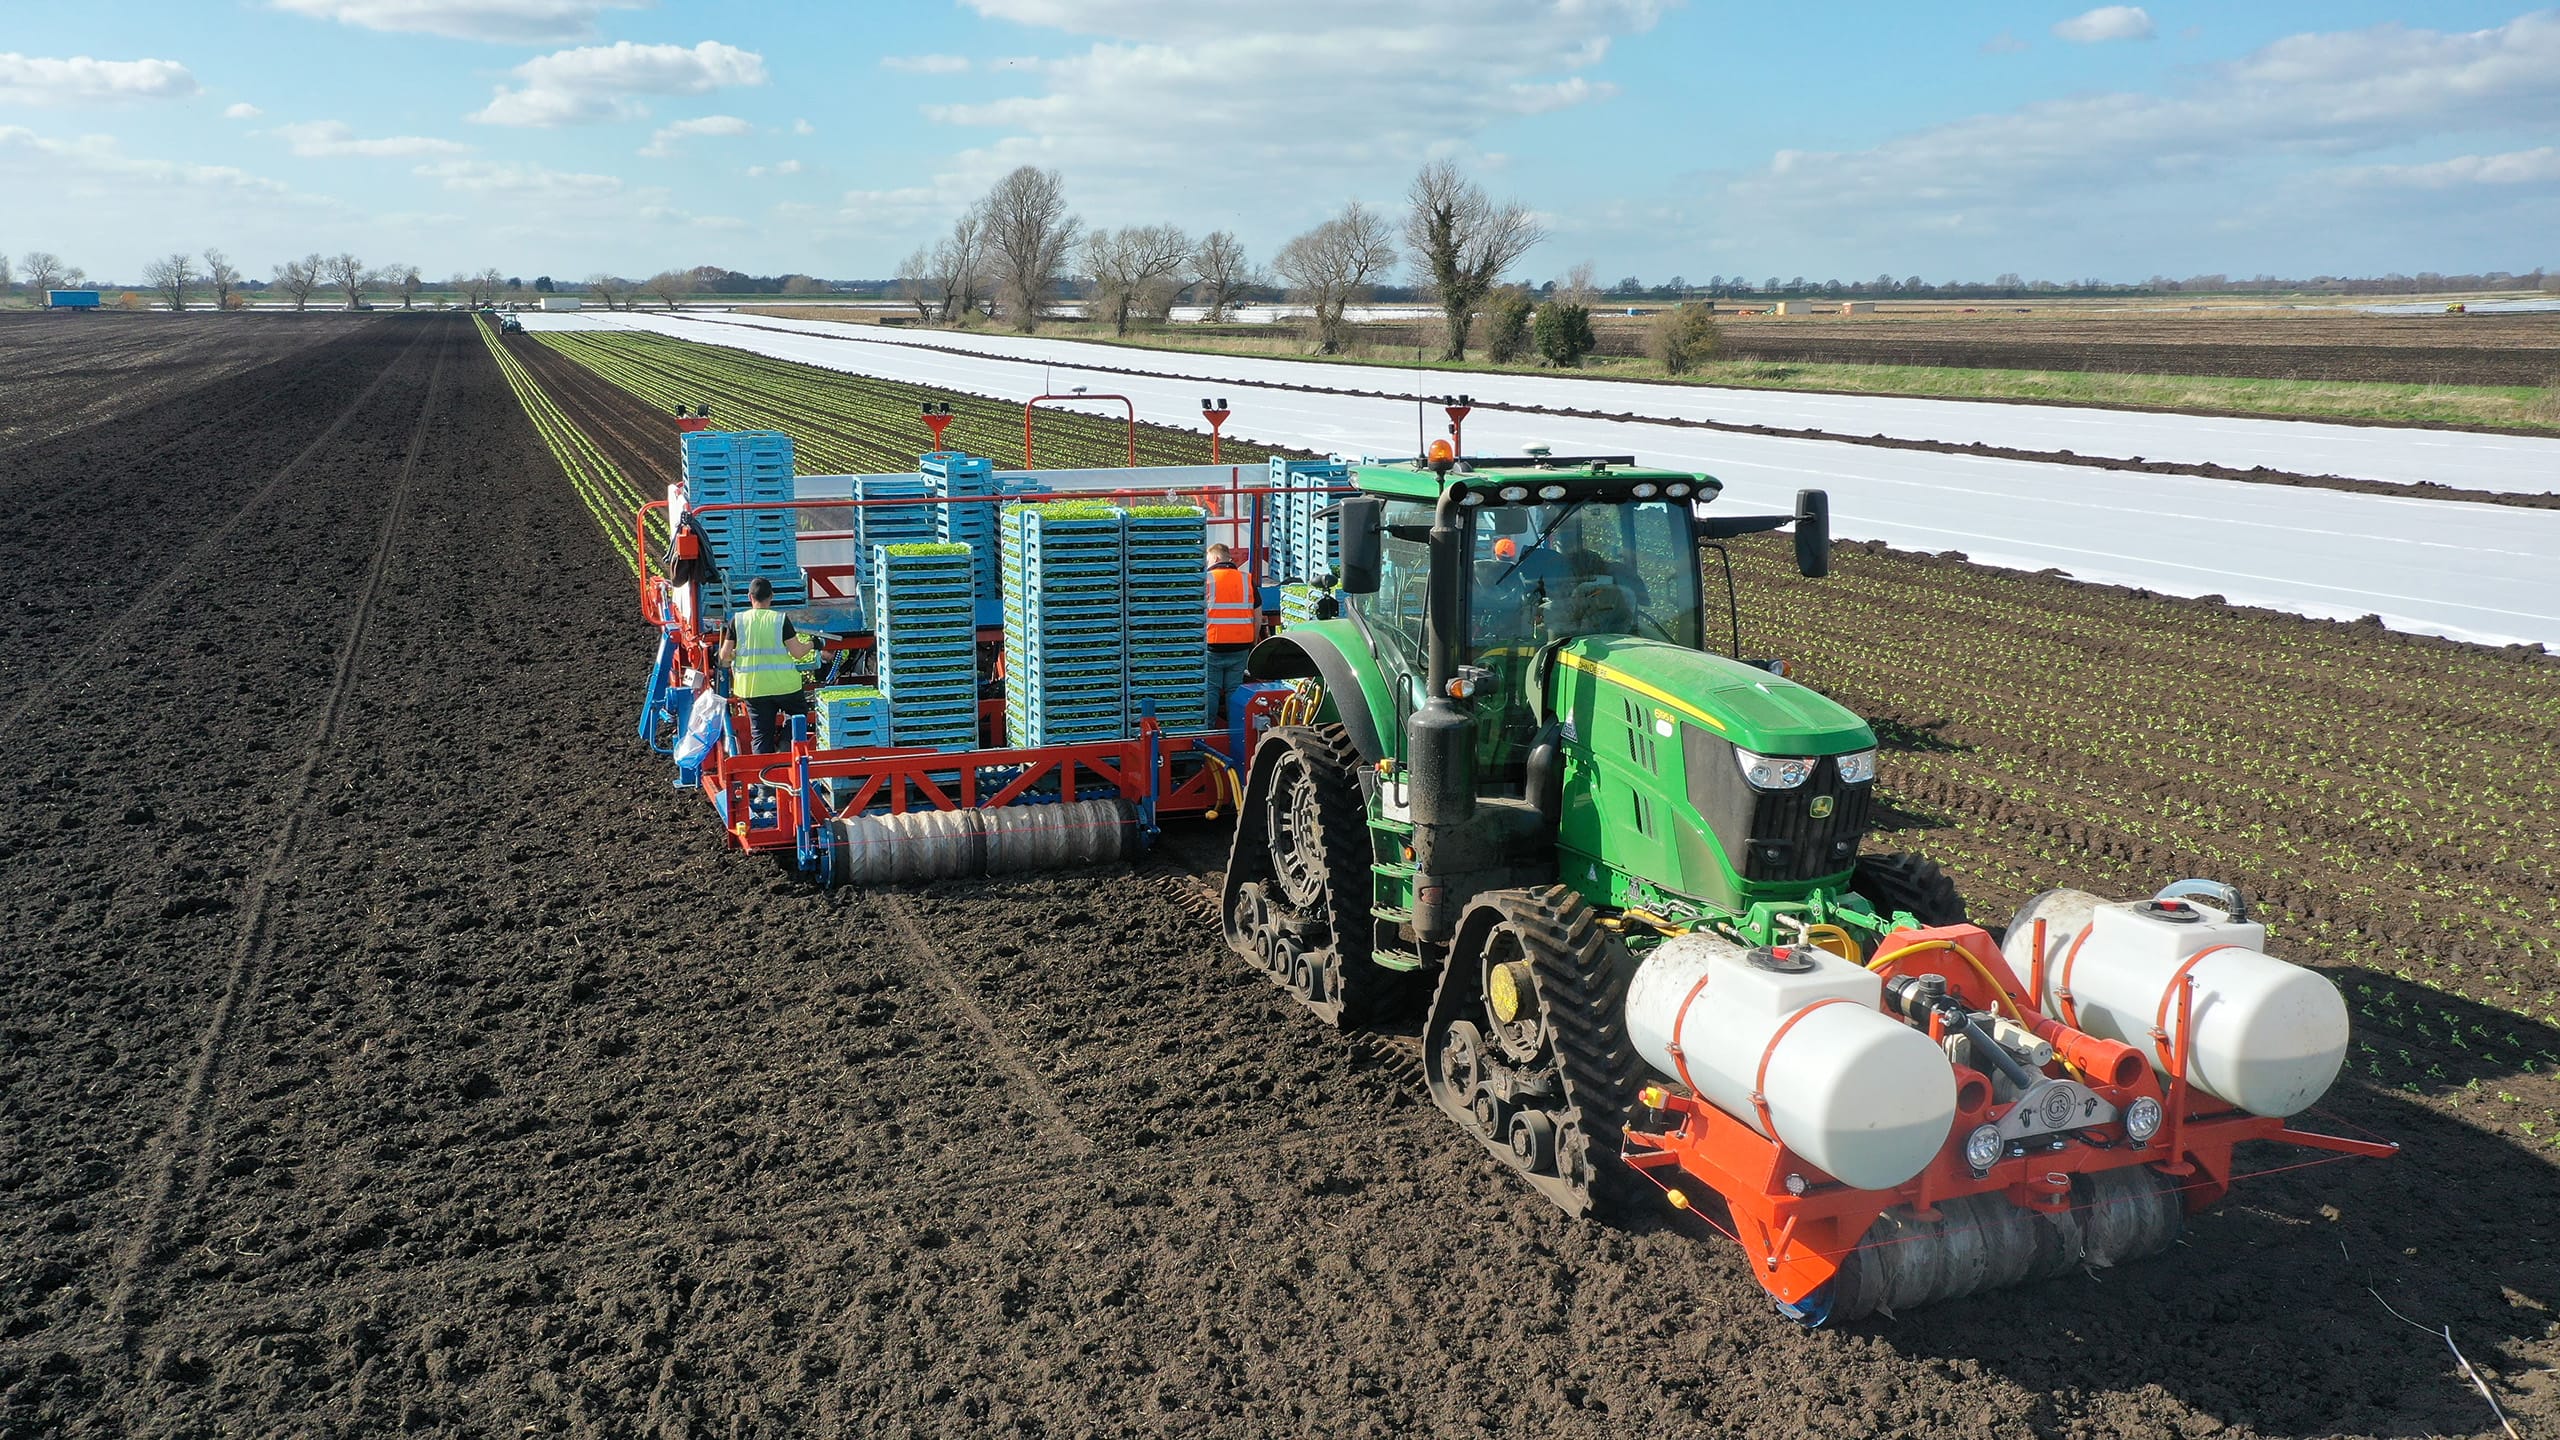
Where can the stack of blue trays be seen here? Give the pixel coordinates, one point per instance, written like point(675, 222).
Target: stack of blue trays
point(878, 525)
point(850, 717)
point(949, 474)
point(924, 621)
point(1164, 588)
point(1064, 649)
point(1298, 603)
point(1301, 542)
point(729, 467)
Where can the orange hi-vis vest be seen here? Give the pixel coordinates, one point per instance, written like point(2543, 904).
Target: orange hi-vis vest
point(1234, 618)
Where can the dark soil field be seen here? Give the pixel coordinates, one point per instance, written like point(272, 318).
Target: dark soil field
point(388, 1048)
point(77, 369)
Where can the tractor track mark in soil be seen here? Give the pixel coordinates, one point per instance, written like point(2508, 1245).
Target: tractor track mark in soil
point(1398, 1054)
point(188, 1129)
point(182, 568)
point(2260, 475)
point(1030, 1084)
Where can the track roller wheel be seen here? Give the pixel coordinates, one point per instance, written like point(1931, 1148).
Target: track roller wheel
point(1906, 881)
point(1526, 1043)
point(1297, 893)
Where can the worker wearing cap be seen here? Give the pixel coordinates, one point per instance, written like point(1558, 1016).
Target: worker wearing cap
point(759, 648)
point(1235, 622)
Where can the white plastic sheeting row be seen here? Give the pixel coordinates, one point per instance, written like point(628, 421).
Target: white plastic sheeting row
point(2470, 571)
point(2399, 455)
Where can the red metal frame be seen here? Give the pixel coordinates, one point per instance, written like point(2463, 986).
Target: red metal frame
point(1038, 400)
point(1797, 1242)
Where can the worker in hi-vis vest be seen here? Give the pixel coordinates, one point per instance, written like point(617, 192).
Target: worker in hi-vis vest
point(759, 648)
point(1235, 622)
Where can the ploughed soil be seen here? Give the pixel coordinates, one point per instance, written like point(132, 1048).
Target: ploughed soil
point(74, 369)
point(387, 1047)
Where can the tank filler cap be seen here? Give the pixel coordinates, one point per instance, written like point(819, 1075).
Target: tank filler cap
point(2176, 912)
point(1783, 959)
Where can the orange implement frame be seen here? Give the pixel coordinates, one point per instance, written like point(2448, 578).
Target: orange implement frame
point(1799, 1225)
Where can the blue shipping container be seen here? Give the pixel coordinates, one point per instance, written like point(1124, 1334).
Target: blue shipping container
point(71, 299)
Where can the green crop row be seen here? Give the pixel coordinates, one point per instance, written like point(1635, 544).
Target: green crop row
point(851, 424)
point(608, 495)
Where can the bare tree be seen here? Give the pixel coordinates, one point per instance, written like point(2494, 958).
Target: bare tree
point(225, 280)
point(45, 271)
point(298, 278)
point(956, 271)
point(1127, 264)
point(405, 279)
point(670, 286)
point(1222, 272)
point(488, 285)
point(1581, 285)
point(169, 275)
point(1461, 241)
point(1334, 265)
point(1028, 235)
point(608, 288)
point(915, 284)
point(348, 273)
point(7, 279)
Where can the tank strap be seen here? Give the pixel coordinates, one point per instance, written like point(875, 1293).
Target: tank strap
point(2062, 982)
point(2169, 992)
point(1680, 1057)
point(1760, 1078)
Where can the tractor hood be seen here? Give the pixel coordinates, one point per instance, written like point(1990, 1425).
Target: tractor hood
point(1743, 704)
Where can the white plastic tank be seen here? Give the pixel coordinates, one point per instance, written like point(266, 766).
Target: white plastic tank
point(1861, 1096)
point(2269, 1035)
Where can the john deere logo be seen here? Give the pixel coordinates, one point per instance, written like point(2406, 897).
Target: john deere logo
point(1820, 809)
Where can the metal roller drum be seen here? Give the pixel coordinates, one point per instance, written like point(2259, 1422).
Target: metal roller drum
point(952, 844)
point(1980, 1243)
point(1053, 837)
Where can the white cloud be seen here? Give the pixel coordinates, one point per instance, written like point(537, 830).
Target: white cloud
point(597, 82)
point(516, 178)
point(529, 22)
point(335, 139)
point(2093, 168)
point(782, 167)
point(803, 127)
point(101, 155)
point(242, 111)
point(925, 64)
point(2516, 167)
point(1173, 88)
point(34, 80)
point(2107, 22)
point(662, 142)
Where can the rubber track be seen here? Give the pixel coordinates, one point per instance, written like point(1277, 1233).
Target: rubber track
point(189, 1130)
point(80, 663)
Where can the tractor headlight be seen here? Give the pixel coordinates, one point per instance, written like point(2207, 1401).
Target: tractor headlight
point(1550, 492)
point(1676, 489)
point(1858, 769)
point(1982, 1148)
point(1646, 490)
point(1772, 772)
point(2142, 1118)
point(1514, 494)
point(1472, 497)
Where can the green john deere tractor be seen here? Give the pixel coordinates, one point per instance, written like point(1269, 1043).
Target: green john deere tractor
point(1524, 767)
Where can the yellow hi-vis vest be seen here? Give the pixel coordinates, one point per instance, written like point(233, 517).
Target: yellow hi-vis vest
point(762, 667)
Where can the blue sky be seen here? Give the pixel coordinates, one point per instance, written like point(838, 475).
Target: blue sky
point(1953, 141)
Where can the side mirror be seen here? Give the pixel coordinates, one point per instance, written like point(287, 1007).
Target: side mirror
point(1813, 533)
point(1361, 519)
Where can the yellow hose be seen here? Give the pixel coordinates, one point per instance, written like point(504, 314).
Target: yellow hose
point(1847, 946)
